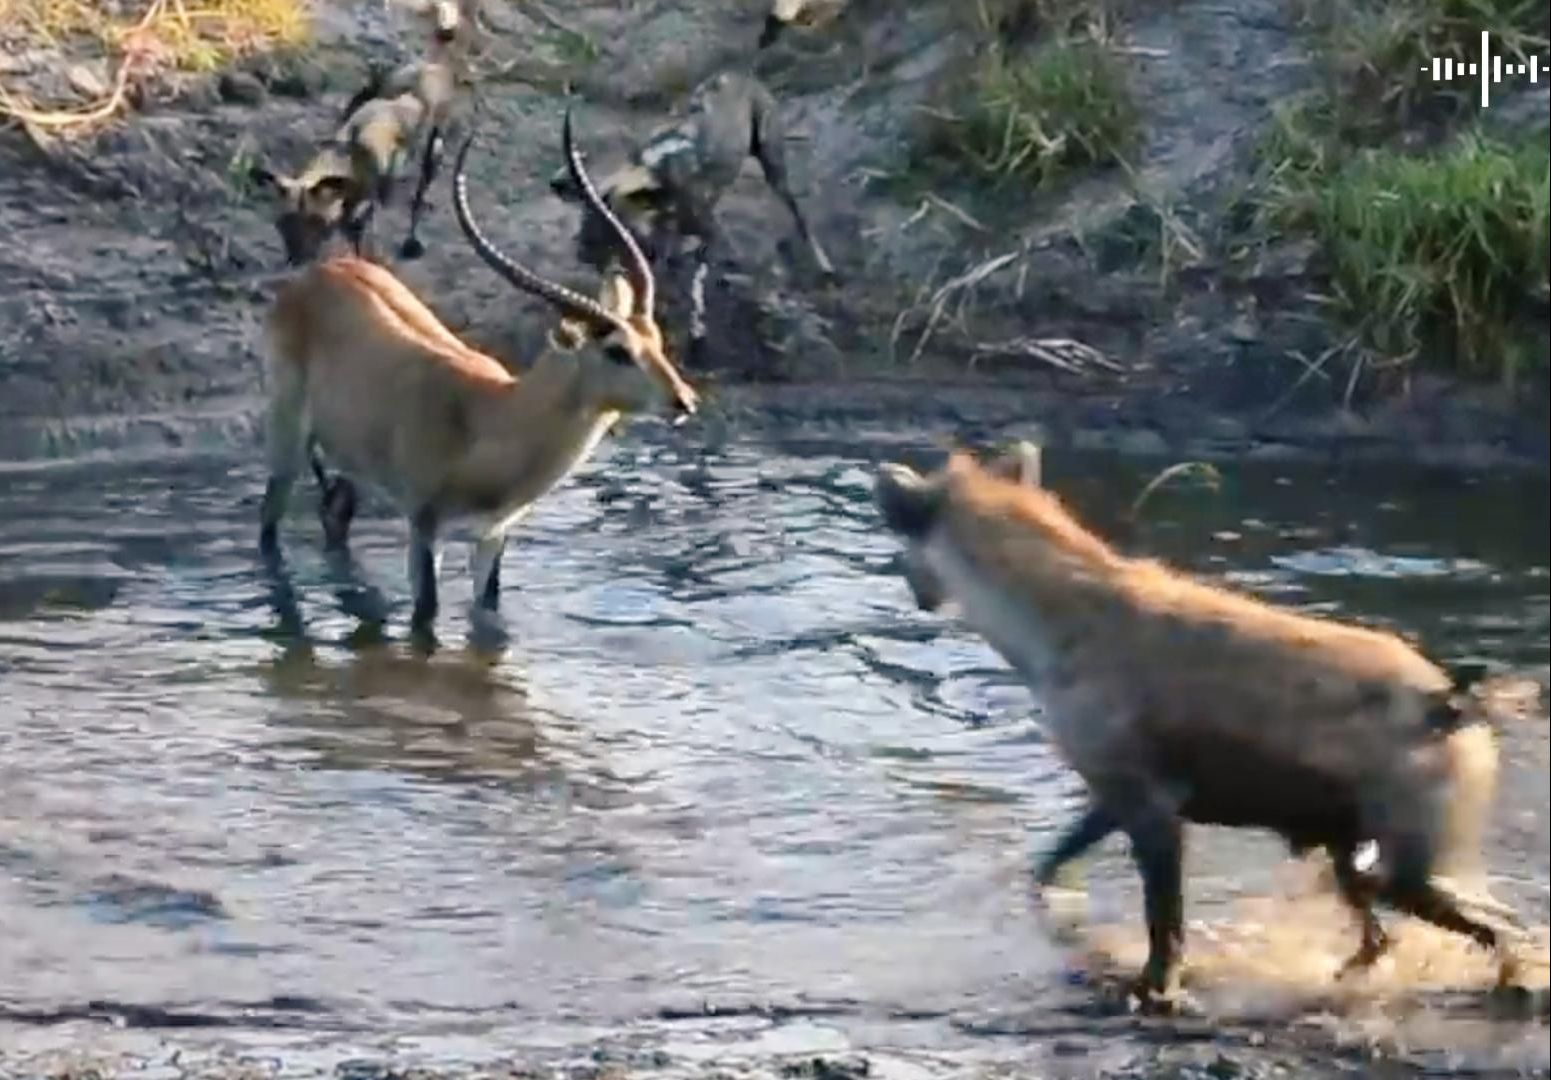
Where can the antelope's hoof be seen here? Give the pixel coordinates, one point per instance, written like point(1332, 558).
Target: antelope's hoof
point(411, 248)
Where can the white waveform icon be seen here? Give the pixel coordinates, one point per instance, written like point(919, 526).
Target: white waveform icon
point(1490, 69)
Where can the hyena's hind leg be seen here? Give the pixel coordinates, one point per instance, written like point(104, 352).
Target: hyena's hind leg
point(1359, 890)
point(337, 504)
point(767, 142)
point(1414, 889)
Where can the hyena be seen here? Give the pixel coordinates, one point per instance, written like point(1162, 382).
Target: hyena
point(1178, 701)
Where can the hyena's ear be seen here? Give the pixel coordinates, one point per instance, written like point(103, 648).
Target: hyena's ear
point(1019, 463)
point(908, 501)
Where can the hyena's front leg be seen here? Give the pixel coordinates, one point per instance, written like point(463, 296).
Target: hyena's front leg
point(1094, 825)
point(1157, 846)
point(487, 571)
point(430, 163)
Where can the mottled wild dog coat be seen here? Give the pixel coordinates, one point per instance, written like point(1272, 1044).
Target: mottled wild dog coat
point(358, 365)
point(668, 190)
point(354, 172)
point(1179, 701)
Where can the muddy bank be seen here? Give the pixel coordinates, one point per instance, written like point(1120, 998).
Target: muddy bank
point(134, 267)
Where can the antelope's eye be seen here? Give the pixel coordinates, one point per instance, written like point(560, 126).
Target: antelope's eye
point(618, 354)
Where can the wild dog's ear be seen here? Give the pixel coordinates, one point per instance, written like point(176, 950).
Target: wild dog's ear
point(1018, 462)
point(263, 176)
point(908, 501)
point(616, 295)
point(331, 187)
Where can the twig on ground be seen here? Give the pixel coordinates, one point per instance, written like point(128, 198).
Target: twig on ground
point(1070, 356)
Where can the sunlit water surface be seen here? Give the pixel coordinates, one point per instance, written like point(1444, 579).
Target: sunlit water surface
point(721, 759)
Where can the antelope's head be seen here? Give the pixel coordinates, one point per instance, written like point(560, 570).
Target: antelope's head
point(311, 206)
point(912, 506)
point(624, 365)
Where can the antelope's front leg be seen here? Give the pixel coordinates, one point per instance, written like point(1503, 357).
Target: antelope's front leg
point(423, 566)
point(487, 571)
point(430, 163)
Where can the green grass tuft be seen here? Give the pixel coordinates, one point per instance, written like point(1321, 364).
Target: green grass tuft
point(1066, 106)
point(1376, 55)
point(1439, 257)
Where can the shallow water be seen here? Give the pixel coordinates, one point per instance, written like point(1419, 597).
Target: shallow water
point(721, 758)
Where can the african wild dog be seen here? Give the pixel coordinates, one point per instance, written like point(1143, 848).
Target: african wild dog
point(668, 190)
point(1179, 701)
point(354, 172)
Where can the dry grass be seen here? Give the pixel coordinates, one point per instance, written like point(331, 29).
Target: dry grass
point(134, 41)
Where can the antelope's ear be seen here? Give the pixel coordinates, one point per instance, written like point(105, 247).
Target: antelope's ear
point(908, 501)
point(1019, 463)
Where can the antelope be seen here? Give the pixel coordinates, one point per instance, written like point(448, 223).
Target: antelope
point(355, 170)
point(1178, 701)
point(361, 368)
point(673, 181)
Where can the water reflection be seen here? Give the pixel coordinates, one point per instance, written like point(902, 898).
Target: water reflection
point(717, 752)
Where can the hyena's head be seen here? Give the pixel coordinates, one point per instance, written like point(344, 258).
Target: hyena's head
point(913, 505)
point(309, 208)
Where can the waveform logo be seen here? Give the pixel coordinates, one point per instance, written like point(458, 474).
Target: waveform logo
point(1490, 69)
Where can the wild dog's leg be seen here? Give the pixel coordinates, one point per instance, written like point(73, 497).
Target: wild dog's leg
point(1359, 892)
point(287, 445)
point(768, 144)
point(423, 566)
point(698, 332)
point(487, 570)
point(1094, 825)
point(374, 80)
point(336, 509)
point(357, 220)
point(435, 146)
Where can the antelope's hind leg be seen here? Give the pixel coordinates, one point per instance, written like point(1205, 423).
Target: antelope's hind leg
point(1090, 828)
point(337, 504)
point(486, 567)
